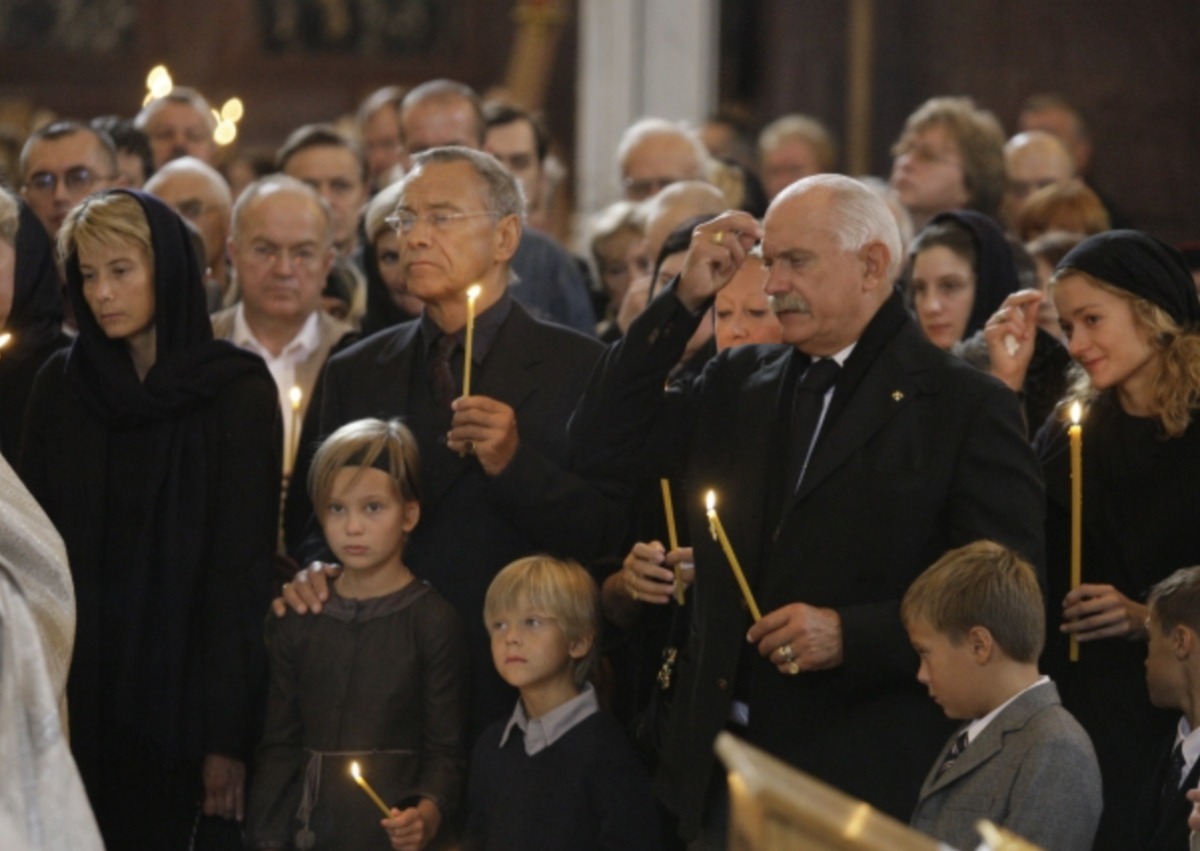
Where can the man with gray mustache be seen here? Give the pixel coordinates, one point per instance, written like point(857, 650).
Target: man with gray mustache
point(844, 463)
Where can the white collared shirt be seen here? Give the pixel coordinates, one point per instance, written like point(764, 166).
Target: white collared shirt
point(283, 366)
point(541, 733)
point(980, 724)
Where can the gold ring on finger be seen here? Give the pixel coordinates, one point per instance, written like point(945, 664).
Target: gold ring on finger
point(793, 668)
point(469, 445)
point(718, 237)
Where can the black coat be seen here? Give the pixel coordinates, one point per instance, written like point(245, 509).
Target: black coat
point(472, 525)
point(919, 453)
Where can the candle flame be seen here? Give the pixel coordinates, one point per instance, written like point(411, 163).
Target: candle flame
point(354, 771)
point(159, 82)
point(474, 291)
point(710, 500)
point(5, 339)
point(1076, 412)
point(296, 395)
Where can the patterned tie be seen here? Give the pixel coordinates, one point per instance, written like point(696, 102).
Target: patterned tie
point(445, 388)
point(960, 745)
point(807, 407)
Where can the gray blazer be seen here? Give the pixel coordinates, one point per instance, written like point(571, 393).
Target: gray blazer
point(1032, 771)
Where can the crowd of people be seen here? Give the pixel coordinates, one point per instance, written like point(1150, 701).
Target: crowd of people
point(364, 478)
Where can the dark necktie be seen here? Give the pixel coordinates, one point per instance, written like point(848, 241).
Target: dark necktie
point(1174, 775)
point(807, 407)
point(445, 389)
point(960, 745)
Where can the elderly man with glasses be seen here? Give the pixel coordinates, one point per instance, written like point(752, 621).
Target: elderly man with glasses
point(62, 164)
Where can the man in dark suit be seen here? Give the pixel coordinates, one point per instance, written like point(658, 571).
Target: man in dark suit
point(835, 496)
point(1173, 680)
point(494, 481)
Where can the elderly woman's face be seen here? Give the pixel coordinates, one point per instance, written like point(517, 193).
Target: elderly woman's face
point(8, 271)
point(622, 258)
point(118, 285)
point(943, 291)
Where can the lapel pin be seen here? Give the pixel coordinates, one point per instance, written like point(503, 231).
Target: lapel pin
point(897, 395)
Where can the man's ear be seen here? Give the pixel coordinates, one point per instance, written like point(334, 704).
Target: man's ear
point(982, 645)
point(875, 258)
point(508, 236)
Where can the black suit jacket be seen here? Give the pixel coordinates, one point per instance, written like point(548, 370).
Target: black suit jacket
point(919, 454)
point(472, 524)
point(1162, 825)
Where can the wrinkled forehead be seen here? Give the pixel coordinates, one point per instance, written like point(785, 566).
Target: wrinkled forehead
point(799, 219)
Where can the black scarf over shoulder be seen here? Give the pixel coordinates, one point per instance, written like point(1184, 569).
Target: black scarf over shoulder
point(995, 270)
point(158, 686)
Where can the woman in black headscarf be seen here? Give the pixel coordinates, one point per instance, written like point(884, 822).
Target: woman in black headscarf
point(34, 314)
point(960, 271)
point(155, 450)
point(1129, 309)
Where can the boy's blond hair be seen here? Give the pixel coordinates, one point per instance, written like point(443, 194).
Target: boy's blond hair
point(981, 584)
point(368, 443)
point(560, 589)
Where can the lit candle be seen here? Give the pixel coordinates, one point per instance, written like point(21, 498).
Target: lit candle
point(672, 538)
point(362, 781)
point(5, 339)
point(718, 533)
point(293, 447)
point(472, 294)
point(1076, 434)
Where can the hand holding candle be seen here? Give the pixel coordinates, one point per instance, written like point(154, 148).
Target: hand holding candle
point(718, 533)
point(362, 781)
point(673, 538)
point(1076, 435)
point(472, 294)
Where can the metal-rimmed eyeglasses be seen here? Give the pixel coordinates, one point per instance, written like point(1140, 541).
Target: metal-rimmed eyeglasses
point(77, 179)
point(404, 221)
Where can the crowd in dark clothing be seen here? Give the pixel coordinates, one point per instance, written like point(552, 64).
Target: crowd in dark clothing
point(188, 502)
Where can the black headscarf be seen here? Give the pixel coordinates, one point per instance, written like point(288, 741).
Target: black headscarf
point(1142, 265)
point(190, 366)
point(37, 313)
point(995, 272)
point(35, 322)
point(160, 534)
point(382, 310)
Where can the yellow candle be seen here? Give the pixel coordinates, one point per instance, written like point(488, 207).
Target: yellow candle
point(718, 533)
point(472, 294)
point(5, 339)
point(293, 446)
point(362, 781)
point(672, 537)
point(1076, 435)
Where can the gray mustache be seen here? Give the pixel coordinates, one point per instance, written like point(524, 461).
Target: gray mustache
point(788, 302)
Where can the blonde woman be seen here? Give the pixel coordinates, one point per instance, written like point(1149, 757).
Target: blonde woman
point(1129, 310)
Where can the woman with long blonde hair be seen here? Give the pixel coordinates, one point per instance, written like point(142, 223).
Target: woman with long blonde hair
point(1129, 310)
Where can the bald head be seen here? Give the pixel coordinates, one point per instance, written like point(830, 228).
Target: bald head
point(654, 153)
point(198, 193)
point(1033, 160)
point(678, 203)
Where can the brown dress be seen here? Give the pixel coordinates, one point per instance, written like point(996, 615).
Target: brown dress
point(382, 682)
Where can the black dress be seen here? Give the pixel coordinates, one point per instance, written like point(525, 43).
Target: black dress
point(166, 494)
point(1141, 522)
